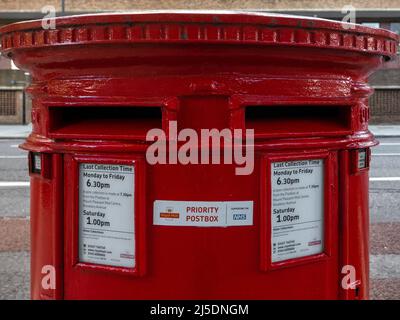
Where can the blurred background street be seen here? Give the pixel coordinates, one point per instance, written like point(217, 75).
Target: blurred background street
point(384, 214)
point(14, 221)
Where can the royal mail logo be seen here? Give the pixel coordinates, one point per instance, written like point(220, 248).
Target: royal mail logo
point(169, 214)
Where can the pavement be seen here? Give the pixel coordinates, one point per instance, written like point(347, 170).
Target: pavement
point(14, 131)
point(14, 219)
point(384, 215)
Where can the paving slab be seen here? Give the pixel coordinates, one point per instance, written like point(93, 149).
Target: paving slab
point(14, 275)
point(385, 289)
point(15, 234)
point(384, 266)
point(384, 238)
point(14, 202)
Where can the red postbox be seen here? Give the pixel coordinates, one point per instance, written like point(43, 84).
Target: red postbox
point(110, 223)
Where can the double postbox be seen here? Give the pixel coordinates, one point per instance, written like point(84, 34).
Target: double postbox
point(199, 155)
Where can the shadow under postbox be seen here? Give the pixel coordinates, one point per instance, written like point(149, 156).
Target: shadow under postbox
point(114, 224)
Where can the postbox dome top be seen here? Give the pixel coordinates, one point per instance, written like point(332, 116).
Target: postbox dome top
point(228, 27)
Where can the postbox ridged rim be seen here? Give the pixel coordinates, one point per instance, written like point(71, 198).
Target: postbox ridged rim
point(245, 28)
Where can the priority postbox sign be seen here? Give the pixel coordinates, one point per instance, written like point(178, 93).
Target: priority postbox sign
point(203, 213)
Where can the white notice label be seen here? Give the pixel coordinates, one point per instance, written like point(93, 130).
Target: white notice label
point(297, 208)
point(203, 213)
point(106, 214)
point(362, 158)
point(37, 162)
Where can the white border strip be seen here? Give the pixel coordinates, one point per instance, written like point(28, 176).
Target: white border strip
point(384, 179)
point(13, 157)
point(6, 184)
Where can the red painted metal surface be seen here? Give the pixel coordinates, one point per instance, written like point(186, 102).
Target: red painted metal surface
point(205, 70)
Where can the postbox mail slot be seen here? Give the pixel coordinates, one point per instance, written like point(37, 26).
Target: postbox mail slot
point(298, 120)
point(103, 122)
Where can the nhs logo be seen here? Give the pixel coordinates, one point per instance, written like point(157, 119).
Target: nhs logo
point(239, 216)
